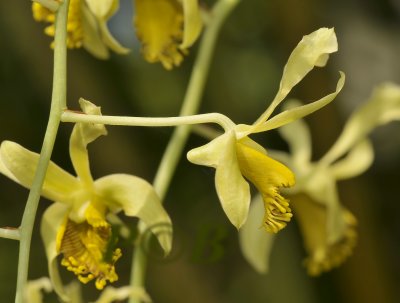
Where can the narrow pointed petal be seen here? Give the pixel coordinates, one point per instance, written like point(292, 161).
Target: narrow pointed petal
point(92, 40)
point(297, 135)
point(110, 41)
point(82, 135)
point(101, 9)
point(357, 161)
point(268, 175)
point(52, 229)
point(232, 189)
point(192, 22)
point(19, 164)
point(299, 112)
point(255, 243)
point(313, 50)
point(136, 197)
point(383, 107)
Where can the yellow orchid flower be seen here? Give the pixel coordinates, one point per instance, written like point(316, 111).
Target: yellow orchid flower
point(76, 225)
point(328, 228)
point(86, 26)
point(166, 28)
point(236, 157)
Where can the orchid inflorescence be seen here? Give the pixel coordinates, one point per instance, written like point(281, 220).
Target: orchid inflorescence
point(78, 225)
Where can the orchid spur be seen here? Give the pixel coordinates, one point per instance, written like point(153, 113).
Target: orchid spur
point(76, 224)
point(328, 228)
point(235, 156)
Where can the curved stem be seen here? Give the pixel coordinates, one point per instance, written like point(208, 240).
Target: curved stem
point(190, 106)
point(217, 118)
point(58, 103)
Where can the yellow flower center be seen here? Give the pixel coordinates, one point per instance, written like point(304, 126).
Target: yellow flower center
point(159, 26)
point(268, 175)
point(85, 252)
point(74, 24)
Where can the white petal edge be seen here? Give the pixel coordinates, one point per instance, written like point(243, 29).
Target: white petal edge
point(193, 22)
point(255, 243)
point(357, 161)
point(52, 221)
point(297, 135)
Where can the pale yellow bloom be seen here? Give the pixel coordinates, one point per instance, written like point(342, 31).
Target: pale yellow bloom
point(236, 157)
point(166, 28)
point(76, 224)
point(86, 26)
point(328, 228)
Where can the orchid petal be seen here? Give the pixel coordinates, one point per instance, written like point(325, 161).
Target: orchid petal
point(383, 107)
point(324, 252)
point(255, 243)
point(92, 39)
point(313, 50)
point(297, 135)
point(232, 189)
point(299, 112)
point(102, 9)
point(111, 294)
point(136, 197)
point(321, 187)
point(19, 164)
point(52, 229)
point(33, 290)
point(192, 22)
point(82, 135)
point(357, 161)
point(110, 41)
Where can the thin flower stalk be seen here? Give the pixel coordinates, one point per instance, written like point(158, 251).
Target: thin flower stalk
point(58, 103)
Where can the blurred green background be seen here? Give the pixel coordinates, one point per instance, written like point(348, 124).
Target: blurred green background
point(252, 50)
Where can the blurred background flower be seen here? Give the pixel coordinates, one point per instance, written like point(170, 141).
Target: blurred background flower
point(253, 48)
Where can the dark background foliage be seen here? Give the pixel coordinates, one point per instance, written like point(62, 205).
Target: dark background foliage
point(252, 50)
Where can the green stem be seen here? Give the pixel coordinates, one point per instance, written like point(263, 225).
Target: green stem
point(190, 106)
point(58, 104)
point(8, 233)
point(223, 121)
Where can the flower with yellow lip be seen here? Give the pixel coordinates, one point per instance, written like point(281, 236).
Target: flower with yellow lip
point(328, 228)
point(76, 224)
point(86, 25)
point(166, 28)
point(236, 157)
